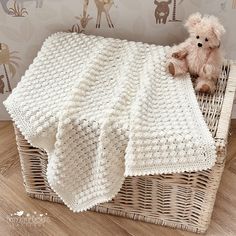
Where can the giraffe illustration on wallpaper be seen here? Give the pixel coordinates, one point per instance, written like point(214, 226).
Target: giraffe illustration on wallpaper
point(162, 11)
point(104, 6)
point(18, 6)
point(8, 63)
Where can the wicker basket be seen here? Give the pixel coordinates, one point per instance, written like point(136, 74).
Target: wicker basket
point(183, 201)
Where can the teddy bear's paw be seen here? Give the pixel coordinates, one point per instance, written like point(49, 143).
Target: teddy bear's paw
point(205, 88)
point(179, 55)
point(176, 55)
point(171, 68)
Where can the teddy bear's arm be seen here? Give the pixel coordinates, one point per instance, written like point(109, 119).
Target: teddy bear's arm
point(213, 64)
point(180, 54)
point(180, 51)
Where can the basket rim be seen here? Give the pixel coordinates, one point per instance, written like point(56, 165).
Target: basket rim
point(227, 106)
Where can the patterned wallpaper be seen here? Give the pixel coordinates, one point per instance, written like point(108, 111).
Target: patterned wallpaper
point(24, 24)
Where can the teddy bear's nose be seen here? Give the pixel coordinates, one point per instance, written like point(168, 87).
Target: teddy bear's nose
point(199, 45)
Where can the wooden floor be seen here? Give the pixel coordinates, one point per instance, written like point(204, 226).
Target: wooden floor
point(61, 221)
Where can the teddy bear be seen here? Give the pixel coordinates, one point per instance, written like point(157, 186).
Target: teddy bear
point(200, 54)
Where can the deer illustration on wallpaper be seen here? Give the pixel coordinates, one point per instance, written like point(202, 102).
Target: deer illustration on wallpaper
point(18, 4)
point(8, 64)
point(162, 11)
point(104, 6)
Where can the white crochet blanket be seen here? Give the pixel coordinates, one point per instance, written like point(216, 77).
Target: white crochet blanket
point(104, 109)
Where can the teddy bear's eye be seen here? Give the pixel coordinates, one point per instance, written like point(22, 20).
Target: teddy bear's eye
point(197, 37)
point(206, 39)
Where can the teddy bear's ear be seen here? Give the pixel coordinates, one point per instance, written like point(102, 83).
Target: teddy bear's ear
point(219, 31)
point(193, 20)
point(156, 2)
point(217, 28)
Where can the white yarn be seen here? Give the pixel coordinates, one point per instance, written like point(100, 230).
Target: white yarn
point(104, 109)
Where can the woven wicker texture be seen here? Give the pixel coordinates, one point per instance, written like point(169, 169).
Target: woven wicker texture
point(178, 200)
